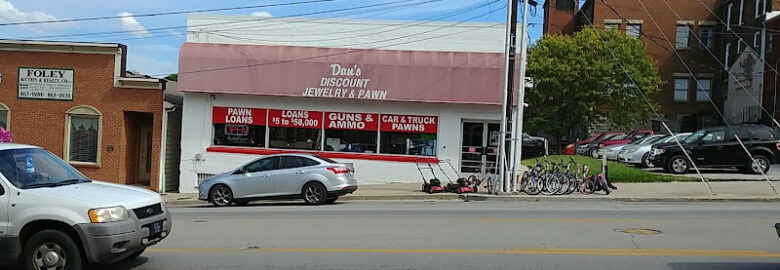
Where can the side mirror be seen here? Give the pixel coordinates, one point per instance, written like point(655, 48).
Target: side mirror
point(2, 191)
point(241, 171)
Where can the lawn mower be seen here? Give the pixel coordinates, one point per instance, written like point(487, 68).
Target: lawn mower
point(432, 186)
point(461, 185)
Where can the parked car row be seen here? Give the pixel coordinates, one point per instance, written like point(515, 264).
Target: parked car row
point(714, 147)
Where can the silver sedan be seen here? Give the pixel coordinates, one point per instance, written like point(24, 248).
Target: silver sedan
point(314, 179)
point(637, 154)
point(612, 151)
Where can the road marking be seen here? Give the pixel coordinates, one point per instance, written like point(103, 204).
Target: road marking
point(516, 251)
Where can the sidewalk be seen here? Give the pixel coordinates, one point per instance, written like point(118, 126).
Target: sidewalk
point(637, 192)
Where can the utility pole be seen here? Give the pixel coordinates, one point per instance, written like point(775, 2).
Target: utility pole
point(506, 107)
point(517, 154)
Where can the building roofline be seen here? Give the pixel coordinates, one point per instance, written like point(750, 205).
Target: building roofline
point(60, 43)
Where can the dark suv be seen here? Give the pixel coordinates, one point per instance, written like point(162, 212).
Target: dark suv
point(718, 147)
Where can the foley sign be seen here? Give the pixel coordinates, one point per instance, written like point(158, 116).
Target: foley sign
point(45, 83)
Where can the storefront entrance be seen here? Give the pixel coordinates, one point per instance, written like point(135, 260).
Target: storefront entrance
point(139, 147)
point(479, 147)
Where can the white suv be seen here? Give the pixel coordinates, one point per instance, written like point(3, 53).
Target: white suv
point(53, 217)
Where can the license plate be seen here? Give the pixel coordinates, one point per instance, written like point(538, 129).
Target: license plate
point(155, 228)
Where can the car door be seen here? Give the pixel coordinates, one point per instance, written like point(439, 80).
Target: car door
point(711, 149)
point(4, 218)
point(293, 171)
point(253, 179)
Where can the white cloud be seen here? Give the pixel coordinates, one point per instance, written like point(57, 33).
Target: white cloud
point(262, 14)
point(129, 23)
point(9, 13)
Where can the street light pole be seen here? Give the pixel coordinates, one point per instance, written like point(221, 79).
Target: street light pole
point(517, 133)
point(506, 107)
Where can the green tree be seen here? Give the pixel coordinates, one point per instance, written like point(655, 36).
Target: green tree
point(578, 81)
point(172, 77)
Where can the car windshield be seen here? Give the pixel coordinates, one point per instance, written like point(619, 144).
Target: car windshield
point(656, 139)
point(695, 136)
point(34, 168)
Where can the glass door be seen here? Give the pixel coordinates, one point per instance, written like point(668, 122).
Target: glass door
point(479, 147)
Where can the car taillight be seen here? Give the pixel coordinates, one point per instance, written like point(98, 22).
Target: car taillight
point(777, 145)
point(339, 170)
point(571, 145)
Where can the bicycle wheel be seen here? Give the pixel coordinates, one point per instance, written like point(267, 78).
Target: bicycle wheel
point(563, 179)
point(534, 186)
point(551, 184)
point(574, 184)
point(523, 181)
point(587, 186)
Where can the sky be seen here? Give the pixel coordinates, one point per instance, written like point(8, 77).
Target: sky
point(155, 51)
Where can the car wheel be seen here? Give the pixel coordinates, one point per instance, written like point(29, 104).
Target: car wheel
point(51, 249)
point(594, 153)
point(314, 193)
point(761, 164)
point(645, 162)
point(221, 195)
point(331, 200)
point(678, 164)
point(242, 203)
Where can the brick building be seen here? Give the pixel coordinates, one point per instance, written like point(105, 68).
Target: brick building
point(748, 43)
point(78, 101)
point(682, 106)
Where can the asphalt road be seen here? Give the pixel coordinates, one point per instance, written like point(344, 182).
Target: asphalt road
point(473, 235)
point(726, 174)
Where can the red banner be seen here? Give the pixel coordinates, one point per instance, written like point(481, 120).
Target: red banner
point(409, 123)
point(352, 121)
point(294, 118)
point(236, 115)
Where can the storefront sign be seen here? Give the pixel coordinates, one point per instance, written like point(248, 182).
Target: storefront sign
point(472, 149)
point(409, 123)
point(294, 118)
point(236, 115)
point(45, 83)
point(351, 121)
point(345, 82)
point(236, 130)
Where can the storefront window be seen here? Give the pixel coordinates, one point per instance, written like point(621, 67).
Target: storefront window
point(239, 126)
point(295, 129)
point(351, 132)
point(83, 138)
point(4, 116)
point(408, 135)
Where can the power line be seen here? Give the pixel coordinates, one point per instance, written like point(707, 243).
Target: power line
point(652, 108)
point(372, 33)
point(715, 106)
point(351, 51)
point(162, 13)
point(212, 24)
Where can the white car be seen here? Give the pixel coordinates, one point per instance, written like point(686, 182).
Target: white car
point(637, 154)
point(54, 217)
point(612, 151)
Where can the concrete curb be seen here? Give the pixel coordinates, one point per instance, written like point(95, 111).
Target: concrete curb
point(515, 198)
point(597, 198)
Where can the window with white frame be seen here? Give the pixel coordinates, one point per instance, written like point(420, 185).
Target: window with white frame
point(706, 35)
point(726, 59)
point(703, 89)
point(741, 10)
point(612, 26)
point(740, 46)
point(4, 116)
point(683, 36)
point(82, 140)
point(757, 40)
point(728, 15)
point(634, 30)
point(760, 8)
point(681, 89)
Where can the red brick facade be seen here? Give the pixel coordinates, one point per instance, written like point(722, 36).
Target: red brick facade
point(688, 115)
point(42, 122)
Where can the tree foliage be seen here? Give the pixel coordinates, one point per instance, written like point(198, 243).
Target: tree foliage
point(172, 77)
point(578, 81)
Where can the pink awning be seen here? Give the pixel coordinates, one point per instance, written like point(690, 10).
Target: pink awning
point(422, 76)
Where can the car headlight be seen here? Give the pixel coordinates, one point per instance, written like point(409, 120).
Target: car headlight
point(630, 150)
point(107, 214)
